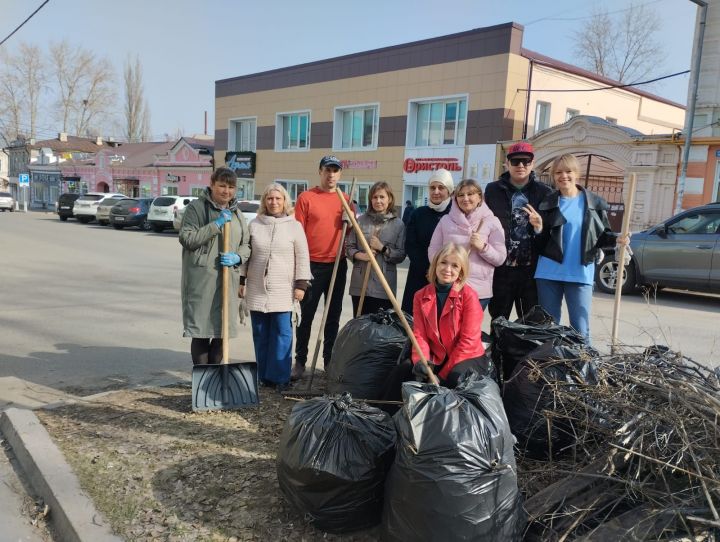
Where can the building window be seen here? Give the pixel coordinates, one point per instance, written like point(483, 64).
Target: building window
point(611, 120)
point(294, 188)
point(197, 191)
point(434, 123)
point(169, 190)
point(542, 116)
point(292, 131)
point(570, 113)
point(355, 128)
point(242, 134)
point(361, 195)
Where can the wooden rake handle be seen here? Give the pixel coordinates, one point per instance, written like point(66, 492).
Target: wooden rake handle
point(366, 247)
point(226, 297)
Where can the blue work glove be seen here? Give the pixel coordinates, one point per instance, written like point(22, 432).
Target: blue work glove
point(229, 259)
point(225, 216)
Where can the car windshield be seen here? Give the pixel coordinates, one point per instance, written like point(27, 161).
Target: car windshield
point(91, 197)
point(110, 202)
point(163, 201)
point(127, 203)
point(248, 207)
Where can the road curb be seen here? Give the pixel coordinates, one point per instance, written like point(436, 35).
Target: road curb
point(72, 514)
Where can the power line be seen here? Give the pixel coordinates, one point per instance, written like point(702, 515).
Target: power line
point(607, 87)
point(23, 23)
point(591, 16)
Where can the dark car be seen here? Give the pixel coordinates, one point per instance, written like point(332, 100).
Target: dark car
point(65, 205)
point(683, 252)
point(131, 212)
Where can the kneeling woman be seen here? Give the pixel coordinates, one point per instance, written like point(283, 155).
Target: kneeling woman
point(447, 318)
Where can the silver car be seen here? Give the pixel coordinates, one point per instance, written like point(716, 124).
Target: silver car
point(7, 202)
point(683, 252)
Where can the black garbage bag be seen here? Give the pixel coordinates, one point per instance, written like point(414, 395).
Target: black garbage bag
point(366, 350)
point(527, 397)
point(513, 341)
point(454, 476)
point(333, 458)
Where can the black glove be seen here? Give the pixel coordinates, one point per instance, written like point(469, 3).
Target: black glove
point(420, 372)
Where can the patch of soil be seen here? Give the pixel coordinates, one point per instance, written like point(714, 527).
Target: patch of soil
point(158, 471)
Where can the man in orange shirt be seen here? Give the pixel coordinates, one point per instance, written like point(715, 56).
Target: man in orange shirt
point(320, 212)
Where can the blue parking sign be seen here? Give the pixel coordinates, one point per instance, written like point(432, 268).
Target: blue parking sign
point(23, 179)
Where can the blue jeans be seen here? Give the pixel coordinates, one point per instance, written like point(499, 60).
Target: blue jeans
point(484, 302)
point(578, 298)
point(272, 337)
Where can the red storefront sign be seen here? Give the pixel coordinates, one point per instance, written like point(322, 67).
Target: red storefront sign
point(413, 165)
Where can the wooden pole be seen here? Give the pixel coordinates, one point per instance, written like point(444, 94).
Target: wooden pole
point(620, 274)
point(391, 296)
point(366, 280)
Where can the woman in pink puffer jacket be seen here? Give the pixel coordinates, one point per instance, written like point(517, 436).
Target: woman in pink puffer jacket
point(471, 224)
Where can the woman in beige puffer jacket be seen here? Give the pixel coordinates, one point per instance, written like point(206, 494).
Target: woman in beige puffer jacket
point(276, 275)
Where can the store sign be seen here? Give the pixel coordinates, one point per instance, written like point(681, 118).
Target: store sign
point(172, 178)
point(359, 164)
point(45, 178)
point(242, 163)
point(414, 165)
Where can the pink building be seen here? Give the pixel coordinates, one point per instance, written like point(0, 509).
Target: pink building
point(181, 167)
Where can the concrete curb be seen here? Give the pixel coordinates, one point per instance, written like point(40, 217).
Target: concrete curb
point(72, 514)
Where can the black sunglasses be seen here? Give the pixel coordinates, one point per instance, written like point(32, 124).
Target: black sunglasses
point(518, 161)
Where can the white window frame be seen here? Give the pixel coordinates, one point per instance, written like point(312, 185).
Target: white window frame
point(413, 105)
point(338, 127)
point(169, 190)
point(288, 185)
point(571, 113)
point(279, 133)
point(232, 134)
point(539, 105)
point(199, 188)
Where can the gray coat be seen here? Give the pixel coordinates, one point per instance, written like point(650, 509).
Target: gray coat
point(201, 283)
point(391, 232)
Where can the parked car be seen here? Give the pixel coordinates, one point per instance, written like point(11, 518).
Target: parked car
point(682, 252)
point(131, 212)
point(7, 202)
point(103, 211)
point(248, 208)
point(65, 205)
point(163, 208)
point(86, 206)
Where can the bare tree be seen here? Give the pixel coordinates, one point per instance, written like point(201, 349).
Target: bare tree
point(85, 87)
point(623, 47)
point(22, 85)
point(137, 113)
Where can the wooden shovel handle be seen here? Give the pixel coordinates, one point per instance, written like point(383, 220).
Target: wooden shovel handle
point(226, 297)
point(391, 296)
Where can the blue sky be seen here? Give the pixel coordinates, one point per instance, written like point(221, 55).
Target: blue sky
point(186, 45)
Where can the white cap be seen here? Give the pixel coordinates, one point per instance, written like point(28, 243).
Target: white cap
point(442, 176)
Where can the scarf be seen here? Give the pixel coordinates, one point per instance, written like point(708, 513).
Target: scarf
point(439, 207)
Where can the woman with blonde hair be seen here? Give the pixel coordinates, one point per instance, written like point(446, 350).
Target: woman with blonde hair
point(385, 233)
point(276, 275)
point(575, 227)
point(447, 318)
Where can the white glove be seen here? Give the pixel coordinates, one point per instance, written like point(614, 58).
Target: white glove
point(243, 311)
point(628, 255)
point(296, 313)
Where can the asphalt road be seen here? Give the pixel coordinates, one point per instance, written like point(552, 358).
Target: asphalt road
point(86, 308)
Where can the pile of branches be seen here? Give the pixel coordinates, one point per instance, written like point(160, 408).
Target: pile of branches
point(645, 458)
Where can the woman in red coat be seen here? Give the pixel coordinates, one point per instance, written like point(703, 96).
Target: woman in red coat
point(447, 319)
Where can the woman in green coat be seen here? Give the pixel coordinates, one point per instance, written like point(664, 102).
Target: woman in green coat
point(202, 262)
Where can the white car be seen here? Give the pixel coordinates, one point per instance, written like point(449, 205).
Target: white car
point(164, 209)
point(7, 202)
point(248, 208)
point(86, 206)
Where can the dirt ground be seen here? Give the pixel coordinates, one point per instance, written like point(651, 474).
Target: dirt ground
point(159, 472)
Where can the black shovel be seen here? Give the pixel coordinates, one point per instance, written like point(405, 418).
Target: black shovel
point(225, 386)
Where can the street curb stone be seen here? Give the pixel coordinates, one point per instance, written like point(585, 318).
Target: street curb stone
point(72, 513)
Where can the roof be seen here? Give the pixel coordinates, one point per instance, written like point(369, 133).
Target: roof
point(202, 145)
point(142, 154)
point(563, 66)
point(73, 144)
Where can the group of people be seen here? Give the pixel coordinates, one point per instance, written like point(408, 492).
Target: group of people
point(520, 243)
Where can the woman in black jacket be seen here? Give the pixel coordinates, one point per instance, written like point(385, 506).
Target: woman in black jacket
point(575, 227)
point(419, 231)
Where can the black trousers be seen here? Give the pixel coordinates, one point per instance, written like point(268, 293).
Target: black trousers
point(320, 286)
point(370, 304)
point(513, 286)
point(204, 351)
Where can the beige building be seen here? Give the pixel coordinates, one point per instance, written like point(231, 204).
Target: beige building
point(397, 113)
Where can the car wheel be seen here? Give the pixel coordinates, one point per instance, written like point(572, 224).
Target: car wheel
point(157, 229)
point(83, 219)
point(103, 222)
point(12, 209)
point(606, 276)
point(145, 225)
point(63, 219)
point(118, 226)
